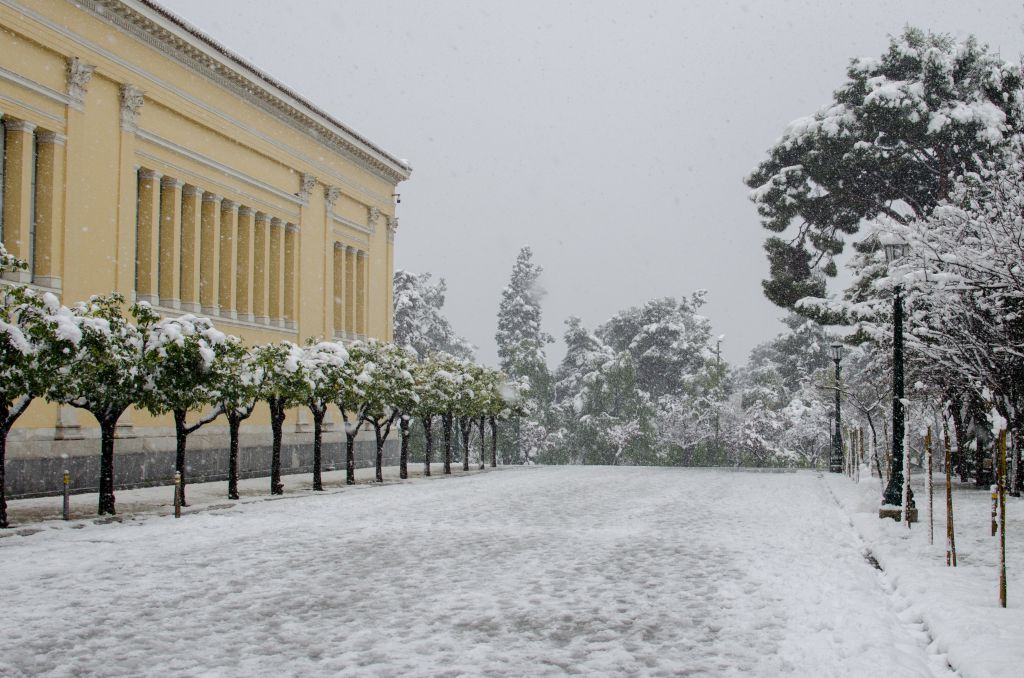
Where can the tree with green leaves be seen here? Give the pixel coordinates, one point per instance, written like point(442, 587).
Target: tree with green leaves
point(350, 397)
point(388, 391)
point(179, 355)
point(107, 373)
point(237, 388)
point(283, 386)
point(36, 336)
point(323, 365)
point(894, 140)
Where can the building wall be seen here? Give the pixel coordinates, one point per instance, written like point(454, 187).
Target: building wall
point(141, 158)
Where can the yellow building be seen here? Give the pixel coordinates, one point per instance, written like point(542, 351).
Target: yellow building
point(142, 157)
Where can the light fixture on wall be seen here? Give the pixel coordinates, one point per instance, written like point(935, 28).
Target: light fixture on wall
point(397, 197)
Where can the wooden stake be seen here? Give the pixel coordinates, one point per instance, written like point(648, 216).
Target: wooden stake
point(66, 512)
point(1001, 484)
point(177, 494)
point(950, 536)
point(931, 486)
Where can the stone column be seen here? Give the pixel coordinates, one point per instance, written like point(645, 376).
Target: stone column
point(276, 271)
point(209, 255)
point(191, 220)
point(19, 160)
point(261, 268)
point(228, 244)
point(291, 249)
point(47, 255)
point(339, 289)
point(170, 241)
point(244, 276)
point(362, 292)
point(147, 241)
point(350, 291)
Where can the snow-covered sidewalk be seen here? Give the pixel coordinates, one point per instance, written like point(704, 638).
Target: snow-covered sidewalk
point(959, 606)
point(528, 571)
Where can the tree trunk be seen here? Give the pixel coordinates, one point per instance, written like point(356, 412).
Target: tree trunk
point(234, 423)
point(483, 440)
point(318, 427)
point(180, 440)
point(428, 432)
point(379, 462)
point(350, 457)
point(106, 503)
point(276, 423)
point(465, 428)
point(1015, 474)
point(403, 459)
point(494, 442)
point(3, 480)
point(960, 456)
point(446, 431)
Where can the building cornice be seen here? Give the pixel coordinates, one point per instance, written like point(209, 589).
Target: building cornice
point(175, 38)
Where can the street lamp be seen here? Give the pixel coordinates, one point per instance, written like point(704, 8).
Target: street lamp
point(836, 462)
point(893, 495)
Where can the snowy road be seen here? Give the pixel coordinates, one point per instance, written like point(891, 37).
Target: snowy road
point(544, 571)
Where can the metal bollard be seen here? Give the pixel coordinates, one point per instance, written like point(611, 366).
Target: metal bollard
point(177, 494)
point(67, 495)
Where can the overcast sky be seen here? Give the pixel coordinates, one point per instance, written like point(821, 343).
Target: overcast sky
point(612, 137)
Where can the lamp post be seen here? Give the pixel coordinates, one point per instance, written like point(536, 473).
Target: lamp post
point(893, 495)
point(836, 462)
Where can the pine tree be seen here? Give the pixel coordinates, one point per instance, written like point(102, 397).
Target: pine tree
point(521, 345)
point(892, 142)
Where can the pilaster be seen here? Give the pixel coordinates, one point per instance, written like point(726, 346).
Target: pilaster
point(276, 271)
point(209, 255)
point(171, 242)
point(19, 165)
point(147, 238)
point(261, 268)
point(228, 258)
point(47, 256)
point(244, 266)
point(291, 250)
point(362, 305)
point(338, 277)
point(191, 227)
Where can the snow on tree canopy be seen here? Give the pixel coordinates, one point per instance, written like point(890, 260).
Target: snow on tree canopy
point(893, 141)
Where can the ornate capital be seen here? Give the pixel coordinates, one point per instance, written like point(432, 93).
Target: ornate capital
point(291, 228)
point(373, 215)
point(308, 183)
point(392, 228)
point(228, 205)
point(131, 104)
point(79, 75)
point(339, 247)
point(48, 137)
point(331, 195)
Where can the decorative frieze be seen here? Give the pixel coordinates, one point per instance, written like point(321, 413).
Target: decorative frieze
point(131, 103)
point(79, 74)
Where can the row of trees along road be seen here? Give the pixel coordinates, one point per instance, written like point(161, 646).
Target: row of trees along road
point(98, 357)
point(921, 147)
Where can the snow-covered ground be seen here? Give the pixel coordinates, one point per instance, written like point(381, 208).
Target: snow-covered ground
point(957, 605)
point(527, 571)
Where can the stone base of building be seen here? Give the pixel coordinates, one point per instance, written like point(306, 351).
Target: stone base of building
point(36, 468)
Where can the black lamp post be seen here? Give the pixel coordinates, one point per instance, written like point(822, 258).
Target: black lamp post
point(893, 495)
point(836, 462)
